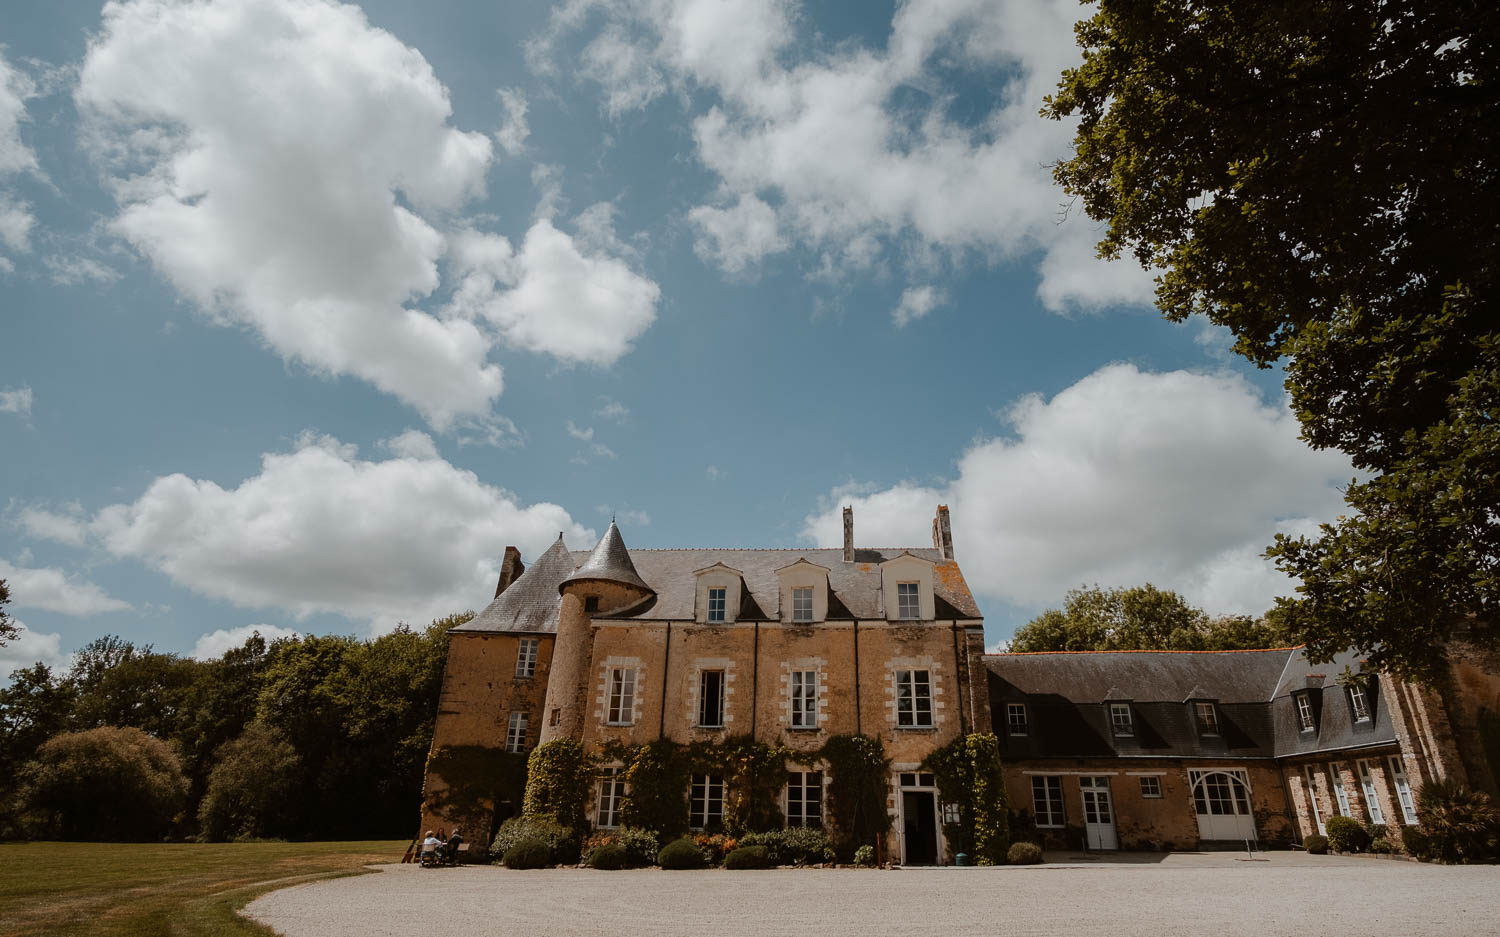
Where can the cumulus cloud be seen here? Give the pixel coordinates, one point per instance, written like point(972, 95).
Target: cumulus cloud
point(292, 169)
point(16, 219)
point(916, 303)
point(320, 530)
point(856, 152)
point(513, 129)
point(68, 526)
point(1178, 478)
point(611, 410)
point(17, 401)
point(52, 590)
point(411, 444)
point(215, 643)
point(29, 647)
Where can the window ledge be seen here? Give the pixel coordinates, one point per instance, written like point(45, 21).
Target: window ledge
point(916, 728)
point(804, 728)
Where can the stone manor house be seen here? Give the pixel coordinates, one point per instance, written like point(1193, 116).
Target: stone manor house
point(1110, 750)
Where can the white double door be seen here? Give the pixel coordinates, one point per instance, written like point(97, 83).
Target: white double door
point(1098, 813)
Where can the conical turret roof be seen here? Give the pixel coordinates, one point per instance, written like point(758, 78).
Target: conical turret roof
point(610, 562)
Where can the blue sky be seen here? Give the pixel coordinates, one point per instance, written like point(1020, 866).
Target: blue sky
point(308, 310)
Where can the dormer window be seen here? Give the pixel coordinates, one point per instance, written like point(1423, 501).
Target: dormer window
point(1306, 719)
point(1015, 718)
point(802, 604)
point(1207, 717)
point(1120, 719)
point(720, 594)
point(716, 604)
point(908, 600)
point(1359, 703)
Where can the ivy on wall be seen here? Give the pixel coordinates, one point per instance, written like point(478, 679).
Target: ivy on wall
point(478, 778)
point(559, 783)
point(858, 785)
point(968, 775)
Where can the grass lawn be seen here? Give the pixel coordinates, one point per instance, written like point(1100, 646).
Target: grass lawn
point(150, 889)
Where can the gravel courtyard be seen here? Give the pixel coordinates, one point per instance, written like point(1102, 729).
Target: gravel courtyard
point(1187, 894)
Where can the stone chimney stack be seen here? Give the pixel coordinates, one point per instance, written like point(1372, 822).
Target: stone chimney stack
point(848, 534)
point(511, 569)
point(942, 533)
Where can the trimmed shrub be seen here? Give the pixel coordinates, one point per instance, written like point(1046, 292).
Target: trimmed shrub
point(864, 855)
point(1345, 834)
point(1415, 842)
point(640, 845)
point(794, 846)
point(1382, 846)
point(680, 854)
point(1024, 854)
point(527, 854)
point(1316, 844)
point(562, 844)
point(1462, 825)
point(610, 856)
point(748, 857)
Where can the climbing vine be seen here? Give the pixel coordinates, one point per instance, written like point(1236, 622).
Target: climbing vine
point(858, 783)
point(559, 783)
point(969, 776)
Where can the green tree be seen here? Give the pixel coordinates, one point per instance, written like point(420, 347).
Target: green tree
point(1320, 179)
point(252, 789)
point(8, 628)
point(103, 784)
point(1137, 619)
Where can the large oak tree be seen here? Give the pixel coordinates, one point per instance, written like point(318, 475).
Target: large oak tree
point(1321, 178)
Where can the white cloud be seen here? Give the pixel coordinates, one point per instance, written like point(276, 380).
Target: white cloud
point(16, 401)
point(74, 270)
point(320, 530)
point(215, 643)
point(69, 527)
point(513, 130)
point(1179, 479)
point(52, 590)
point(916, 303)
point(611, 410)
point(27, 648)
point(16, 219)
point(411, 444)
point(716, 473)
point(856, 148)
point(584, 433)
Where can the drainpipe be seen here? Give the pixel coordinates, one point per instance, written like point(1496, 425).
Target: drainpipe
point(754, 680)
point(857, 729)
point(958, 677)
point(666, 661)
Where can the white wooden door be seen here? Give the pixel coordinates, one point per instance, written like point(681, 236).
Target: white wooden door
point(1222, 799)
point(1312, 799)
point(1098, 813)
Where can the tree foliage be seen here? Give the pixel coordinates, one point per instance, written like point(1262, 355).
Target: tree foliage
point(1141, 618)
point(103, 784)
point(8, 628)
point(1320, 179)
point(253, 787)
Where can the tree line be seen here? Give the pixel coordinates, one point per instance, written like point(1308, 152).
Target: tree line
point(299, 738)
point(1144, 618)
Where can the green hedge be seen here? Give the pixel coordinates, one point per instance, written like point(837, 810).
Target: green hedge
point(680, 854)
point(528, 854)
point(1024, 854)
point(1346, 835)
point(1316, 844)
point(748, 857)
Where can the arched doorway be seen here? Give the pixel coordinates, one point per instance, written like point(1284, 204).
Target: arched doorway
point(1222, 799)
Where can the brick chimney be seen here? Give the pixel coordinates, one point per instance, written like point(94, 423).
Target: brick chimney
point(848, 534)
point(942, 533)
point(511, 569)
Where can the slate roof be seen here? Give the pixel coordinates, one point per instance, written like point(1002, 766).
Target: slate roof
point(1067, 698)
point(531, 602)
point(610, 562)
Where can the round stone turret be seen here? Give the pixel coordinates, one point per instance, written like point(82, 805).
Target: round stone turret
point(610, 563)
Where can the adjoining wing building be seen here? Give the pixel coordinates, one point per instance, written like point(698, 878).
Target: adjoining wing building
point(1101, 750)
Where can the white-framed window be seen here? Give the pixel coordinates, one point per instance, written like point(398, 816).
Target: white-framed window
point(1340, 793)
point(1207, 716)
point(1047, 800)
point(1015, 718)
point(804, 798)
point(611, 792)
point(908, 600)
point(621, 696)
point(1359, 703)
point(515, 733)
point(1403, 790)
point(913, 698)
point(706, 801)
point(802, 603)
point(1150, 786)
point(1305, 713)
point(1221, 793)
point(1367, 785)
point(1120, 719)
point(716, 604)
point(711, 699)
point(804, 699)
point(526, 657)
point(1312, 799)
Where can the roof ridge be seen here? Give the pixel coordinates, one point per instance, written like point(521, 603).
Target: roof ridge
point(760, 549)
point(1144, 650)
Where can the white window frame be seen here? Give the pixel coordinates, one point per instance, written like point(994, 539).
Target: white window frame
point(526, 654)
point(708, 708)
point(914, 699)
point(1309, 779)
point(612, 790)
point(908, 600)
point(1403, 789)
point(1151, 786)
point(1050, 787)
point(1305, 717)
point(621, 710)
point(1372, 795)
point(515, 732)
point(1340, 792)
point(1122, 728)
point(704, 793)
point(804, 689)
point(1209, 725)
point(1017, 721)
point(1359, 703)
point(802, 603)
point(804, 799)
point(718, 602)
